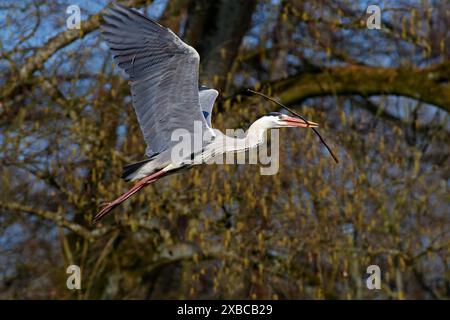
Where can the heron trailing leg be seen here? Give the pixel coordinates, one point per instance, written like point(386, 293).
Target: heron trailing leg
point(138, 186)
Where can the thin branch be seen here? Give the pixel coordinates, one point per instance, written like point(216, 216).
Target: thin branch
point(56, 43)
point(52, 216)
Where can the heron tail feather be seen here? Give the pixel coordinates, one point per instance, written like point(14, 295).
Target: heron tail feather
point(129, 169)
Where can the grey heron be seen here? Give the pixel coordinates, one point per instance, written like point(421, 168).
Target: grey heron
point(163, 71)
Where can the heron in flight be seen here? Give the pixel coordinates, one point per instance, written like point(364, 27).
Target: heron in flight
point(166, 96)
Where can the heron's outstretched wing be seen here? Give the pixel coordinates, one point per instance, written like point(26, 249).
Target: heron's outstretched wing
point(163, 71)
point(207, 96)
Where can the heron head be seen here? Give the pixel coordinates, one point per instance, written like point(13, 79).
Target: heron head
point(280, 120)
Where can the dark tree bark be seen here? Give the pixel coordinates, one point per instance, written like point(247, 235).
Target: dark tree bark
point(216, 29)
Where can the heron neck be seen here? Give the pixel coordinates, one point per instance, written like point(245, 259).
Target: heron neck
point(256, 133)
point(254, 137)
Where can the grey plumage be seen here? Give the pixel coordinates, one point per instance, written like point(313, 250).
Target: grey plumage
point(163, 71)
point(207, 97)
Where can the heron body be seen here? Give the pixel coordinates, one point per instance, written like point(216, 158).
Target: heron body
point(163, 71)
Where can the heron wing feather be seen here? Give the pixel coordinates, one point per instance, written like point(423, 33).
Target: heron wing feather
point(163, 71)
point(207, 97)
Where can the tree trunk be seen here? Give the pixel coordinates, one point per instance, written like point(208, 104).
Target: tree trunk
point(216, 29)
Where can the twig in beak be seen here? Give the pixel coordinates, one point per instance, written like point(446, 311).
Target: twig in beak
point(293, 112)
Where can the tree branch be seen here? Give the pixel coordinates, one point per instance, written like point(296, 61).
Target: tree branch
point(37, 60)
point(430, 85)
point(49, 215)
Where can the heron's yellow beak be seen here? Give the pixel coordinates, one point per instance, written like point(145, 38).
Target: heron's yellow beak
point(297, 122)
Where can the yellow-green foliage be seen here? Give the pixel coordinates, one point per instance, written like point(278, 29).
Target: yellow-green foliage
point(225, 231)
